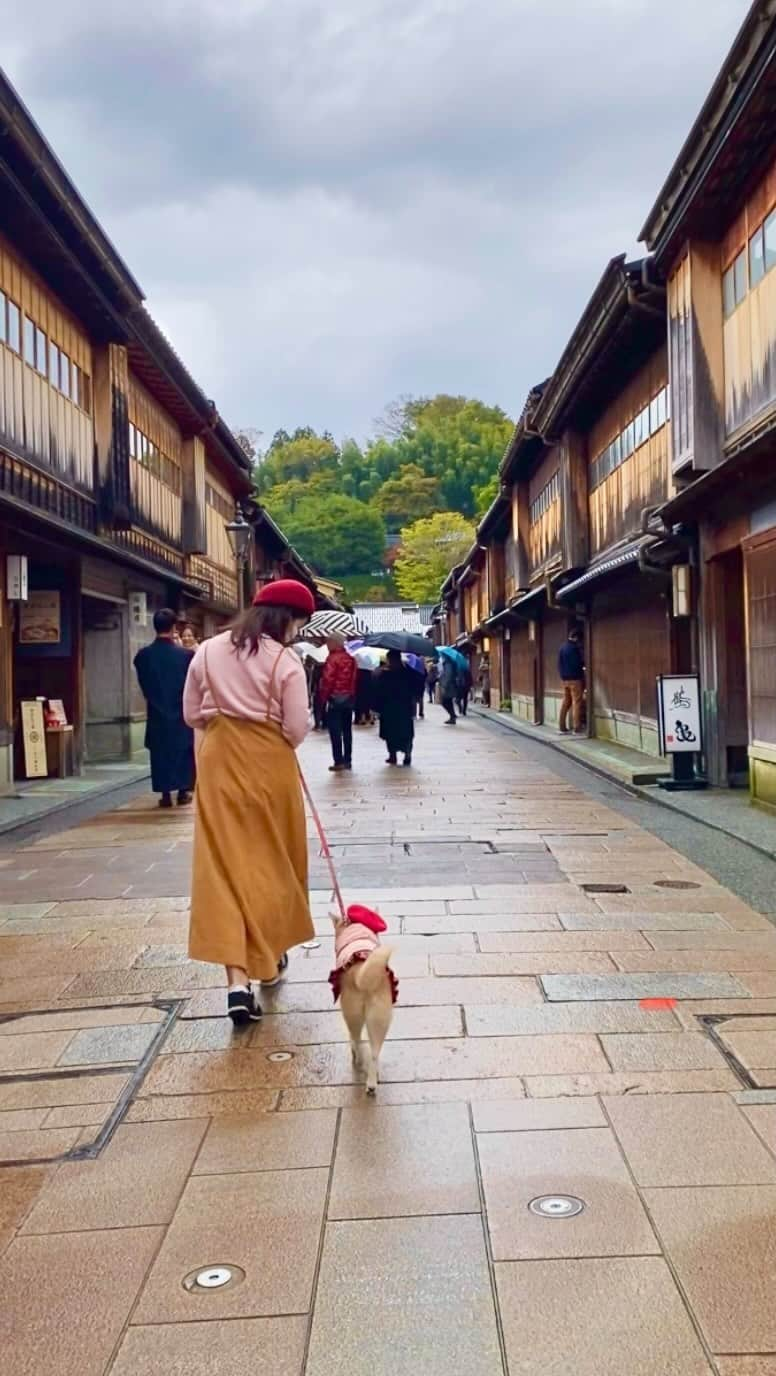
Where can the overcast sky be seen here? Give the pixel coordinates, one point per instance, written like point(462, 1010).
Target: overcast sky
point(332, 202)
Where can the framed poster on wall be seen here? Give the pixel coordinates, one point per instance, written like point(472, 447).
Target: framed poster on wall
point(40, 617)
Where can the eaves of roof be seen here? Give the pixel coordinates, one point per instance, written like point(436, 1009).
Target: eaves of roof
point(744, 86)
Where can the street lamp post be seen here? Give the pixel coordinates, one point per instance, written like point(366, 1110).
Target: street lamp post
point(240, 534)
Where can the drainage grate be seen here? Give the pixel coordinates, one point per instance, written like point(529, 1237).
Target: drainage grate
point(115, 1110)
point(716, 1027)
point(605, 888)
point(675, 884)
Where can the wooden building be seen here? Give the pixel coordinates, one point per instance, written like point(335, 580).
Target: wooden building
point(573, 537)
point(713, 234)
point(117, 475)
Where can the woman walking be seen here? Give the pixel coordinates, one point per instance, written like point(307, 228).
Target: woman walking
point(249, 900)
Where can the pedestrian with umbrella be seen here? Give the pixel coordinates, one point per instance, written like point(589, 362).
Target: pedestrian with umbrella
point(395, 696)
point(338, 693)
point(448, 688)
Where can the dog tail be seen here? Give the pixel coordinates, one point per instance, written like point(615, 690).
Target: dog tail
point(371, 971)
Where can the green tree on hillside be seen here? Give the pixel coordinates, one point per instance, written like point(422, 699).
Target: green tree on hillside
point(334, 533)
point(407, 497)
point(299, 456)
point(429, 550)
point(456, 440)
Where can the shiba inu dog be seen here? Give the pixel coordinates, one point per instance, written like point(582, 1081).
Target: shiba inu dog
point(365, 986)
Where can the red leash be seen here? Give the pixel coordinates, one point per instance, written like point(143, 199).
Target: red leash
point(324, 845)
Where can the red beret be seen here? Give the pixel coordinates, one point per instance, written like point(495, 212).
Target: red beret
point(286, 592)
point(366, 917)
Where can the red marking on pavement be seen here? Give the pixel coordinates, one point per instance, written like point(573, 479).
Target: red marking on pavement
point(652, 1005)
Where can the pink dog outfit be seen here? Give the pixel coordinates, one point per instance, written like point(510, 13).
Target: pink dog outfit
point(355, 940)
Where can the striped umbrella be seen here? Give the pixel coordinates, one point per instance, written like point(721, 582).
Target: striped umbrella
point(323, 624)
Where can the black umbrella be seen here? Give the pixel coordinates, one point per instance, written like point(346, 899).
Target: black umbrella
point(402, 641)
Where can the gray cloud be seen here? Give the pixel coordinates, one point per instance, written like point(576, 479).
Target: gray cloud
point(330, 204)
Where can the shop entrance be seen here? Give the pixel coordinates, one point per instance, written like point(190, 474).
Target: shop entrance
point(732, 662)
point(106, 679)
point(46, 654)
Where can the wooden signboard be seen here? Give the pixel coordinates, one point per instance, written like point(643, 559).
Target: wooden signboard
point(40, 618)
point(34, 736)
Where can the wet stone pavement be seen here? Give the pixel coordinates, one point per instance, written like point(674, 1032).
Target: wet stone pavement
point(586, 1018)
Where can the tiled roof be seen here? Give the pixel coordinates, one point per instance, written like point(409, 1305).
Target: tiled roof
point(394, 616)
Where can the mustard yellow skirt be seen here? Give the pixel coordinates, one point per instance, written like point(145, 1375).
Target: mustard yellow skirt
point(249, 900)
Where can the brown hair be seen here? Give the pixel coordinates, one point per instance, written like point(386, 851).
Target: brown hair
point(267, 620)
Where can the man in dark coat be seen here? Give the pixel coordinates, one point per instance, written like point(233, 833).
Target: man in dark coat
point(395, 695)
point(161, 669)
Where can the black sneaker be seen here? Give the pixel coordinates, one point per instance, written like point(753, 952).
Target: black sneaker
point(184, 797)
point(242, 1007)
point(165, 800)
point(282, 967)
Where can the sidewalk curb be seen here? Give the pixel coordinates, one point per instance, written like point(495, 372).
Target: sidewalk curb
point(98, 792)
point(635, 790)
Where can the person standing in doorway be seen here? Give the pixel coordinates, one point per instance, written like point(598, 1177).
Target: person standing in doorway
point(247, 691)
point(448, 687)
point(161, 669)
point(571, 668)
point(188, 639)
point(338, 692)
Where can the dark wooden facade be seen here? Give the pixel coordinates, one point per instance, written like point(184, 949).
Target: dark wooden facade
point(117, 475)
point(713, 234)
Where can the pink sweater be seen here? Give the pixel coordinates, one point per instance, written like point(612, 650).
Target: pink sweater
point(236, 684)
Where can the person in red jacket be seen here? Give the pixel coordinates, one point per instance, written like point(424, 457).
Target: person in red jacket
point(338, 691)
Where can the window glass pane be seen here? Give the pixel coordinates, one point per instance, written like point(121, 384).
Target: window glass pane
point(75, 383)
point(53, 364)
point(739, 274)
point(2, 317)
point(728, 292)
point(756, 258)
point(40, 351)
point(769, 235)
point(14, 326)
point(661, 407)
point(29, 342)
point(654, 423)
point(64, 374)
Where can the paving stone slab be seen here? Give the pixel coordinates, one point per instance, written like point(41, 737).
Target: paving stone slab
point(417, 1298)
point(589, 988)
point(641, 1326)
point(661, 1051)
point(536, 1115)
point(527, 963)
point(60, 1090)
point(689, 1140)
point(635, 1082)
point(275, 1347)
point(67, 1299)
point(104, 1045)
point(398, 1161)
point(418, 1092)
point(722, 1243)
point(506, 1021)
point(268, 1224)
point(137, 1180)
point(644, 921)
point(586, 1163)
point(269, 1142)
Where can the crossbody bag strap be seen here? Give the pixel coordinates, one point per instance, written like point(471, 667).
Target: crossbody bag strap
point(208, 682)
